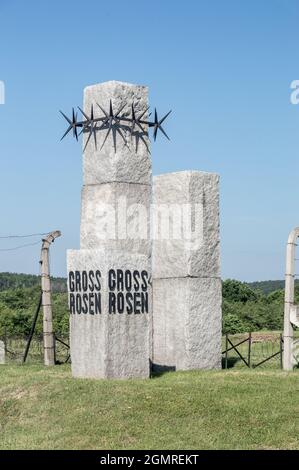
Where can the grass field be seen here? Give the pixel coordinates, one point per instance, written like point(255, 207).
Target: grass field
point(236, 409)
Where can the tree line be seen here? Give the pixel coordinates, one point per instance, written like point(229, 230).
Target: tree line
point(246, 307)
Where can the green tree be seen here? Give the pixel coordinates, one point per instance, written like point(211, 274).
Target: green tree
point(236, 291)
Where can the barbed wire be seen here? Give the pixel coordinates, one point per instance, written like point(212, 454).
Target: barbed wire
point(20, 246)
point(24, 236)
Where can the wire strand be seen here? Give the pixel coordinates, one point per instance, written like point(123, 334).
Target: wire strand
point(20, 246)
point(24, 236)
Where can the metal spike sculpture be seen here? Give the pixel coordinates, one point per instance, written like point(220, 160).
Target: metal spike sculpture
point(114, 123)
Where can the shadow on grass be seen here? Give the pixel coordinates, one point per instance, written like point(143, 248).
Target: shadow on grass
point(231, 362)
point(157, 370)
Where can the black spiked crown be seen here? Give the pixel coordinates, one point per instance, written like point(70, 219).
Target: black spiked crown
point(114, 123)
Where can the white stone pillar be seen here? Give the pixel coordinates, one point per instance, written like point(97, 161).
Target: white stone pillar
point(109, 277)
point(186, 271)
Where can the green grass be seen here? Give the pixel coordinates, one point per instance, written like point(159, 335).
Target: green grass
point(45, 408)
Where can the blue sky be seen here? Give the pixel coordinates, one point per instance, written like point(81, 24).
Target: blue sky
point(225, 68)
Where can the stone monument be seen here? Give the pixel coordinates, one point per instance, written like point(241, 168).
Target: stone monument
point(109, 278)
point(186, 271)
point(128, 230)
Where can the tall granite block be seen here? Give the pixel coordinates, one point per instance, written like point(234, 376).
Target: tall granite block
point(190, 201)
point(186, 271)
point(187, 323)
point(118, 160)
point(110, 295)
point(109, 313)
point(116, 216)
point(2, 353)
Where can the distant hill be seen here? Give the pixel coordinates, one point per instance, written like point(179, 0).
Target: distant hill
point(268, 286)
point(16, 280)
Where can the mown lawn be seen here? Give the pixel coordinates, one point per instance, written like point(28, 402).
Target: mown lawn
point(242, 409)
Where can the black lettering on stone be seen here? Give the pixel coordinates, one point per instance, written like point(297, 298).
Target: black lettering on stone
point(91, 304)
point(120, 302)
point(98, 278)
point(91, 281)
point(112, 279)
point(112, 302)
point(136, 277)
point(72, 303)
point(78, 303)
point(85, 304)
point(120, 279)
point(144, 277)
point(78, 281)
point(71, 281)
point(129, 299)
point(97, 304)
point(128, 280)
point(144, 302)
point(84, 279)
point(137, 303)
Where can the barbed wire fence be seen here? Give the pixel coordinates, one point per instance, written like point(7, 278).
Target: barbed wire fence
point(17, 346)
point(256, 349)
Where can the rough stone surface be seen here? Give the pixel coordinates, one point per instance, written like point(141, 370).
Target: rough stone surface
point(104, 165)
point(178, 255)
point(187, 323)
point(2, 353)
point(186, 271)
point(116, 216)
point(110, 328)
point(109, 345)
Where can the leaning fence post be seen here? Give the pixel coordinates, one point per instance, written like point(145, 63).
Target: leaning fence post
point(249, 349)
point(32, 329)
point(46, 299)
point(226, 348)
point(5, 341)
point(55, 343)
point(280, 350)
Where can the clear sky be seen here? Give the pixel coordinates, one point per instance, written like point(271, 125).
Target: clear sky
point(223, 67)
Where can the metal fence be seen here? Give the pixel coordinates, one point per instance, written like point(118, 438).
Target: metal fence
point(253, 350)
point(239, 350)
point(15, 347)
